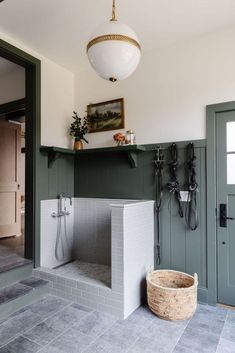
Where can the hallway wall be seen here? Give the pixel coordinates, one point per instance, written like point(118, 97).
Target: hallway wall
point(12, 85)
point(57, 100)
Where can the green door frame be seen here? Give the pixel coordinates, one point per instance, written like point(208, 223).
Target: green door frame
point(33, 114)
point(211, 111)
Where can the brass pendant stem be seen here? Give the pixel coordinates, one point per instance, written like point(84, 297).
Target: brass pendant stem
point(114, 11)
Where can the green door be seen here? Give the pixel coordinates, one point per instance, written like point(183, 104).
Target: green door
point(225, 151)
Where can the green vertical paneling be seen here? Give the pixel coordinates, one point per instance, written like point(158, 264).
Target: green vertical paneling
point(110, 176)
point(59, 178)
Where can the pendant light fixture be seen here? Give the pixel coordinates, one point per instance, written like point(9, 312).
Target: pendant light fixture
point(113, 50)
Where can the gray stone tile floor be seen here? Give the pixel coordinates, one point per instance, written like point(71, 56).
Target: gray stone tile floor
point(55, 325)
point(84, 271)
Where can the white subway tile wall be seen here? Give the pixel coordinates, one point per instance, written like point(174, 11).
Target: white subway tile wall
point(92, 229)
point(116, 283)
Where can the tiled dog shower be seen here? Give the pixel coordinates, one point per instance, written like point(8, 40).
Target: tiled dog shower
point(109, 249)
point(86, 271)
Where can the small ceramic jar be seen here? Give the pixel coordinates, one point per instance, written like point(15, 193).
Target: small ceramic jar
point(130, 137)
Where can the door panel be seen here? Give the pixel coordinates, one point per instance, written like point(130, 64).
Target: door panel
point(225, 126)
point(231, 241)
point(9, 179)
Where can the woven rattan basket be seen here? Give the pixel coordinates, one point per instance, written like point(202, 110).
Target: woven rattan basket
point(172, 295)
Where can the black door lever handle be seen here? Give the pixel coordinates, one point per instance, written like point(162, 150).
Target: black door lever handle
point(223, 216)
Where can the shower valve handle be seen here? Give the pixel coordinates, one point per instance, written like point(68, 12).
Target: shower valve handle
point(60, 214)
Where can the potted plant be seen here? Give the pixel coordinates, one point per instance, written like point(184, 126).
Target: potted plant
point(78, 128)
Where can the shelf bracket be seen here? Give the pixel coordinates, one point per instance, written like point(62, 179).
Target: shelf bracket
point(133, 159)
point(52, 157)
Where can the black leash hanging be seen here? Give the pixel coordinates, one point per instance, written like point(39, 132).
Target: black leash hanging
point(159, 165)
point(191, 213)
point(173, 185)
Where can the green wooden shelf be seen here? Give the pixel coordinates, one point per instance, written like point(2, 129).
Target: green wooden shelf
point(131, 151)
point(55, 152)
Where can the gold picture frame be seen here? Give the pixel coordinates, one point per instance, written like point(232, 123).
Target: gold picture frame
point(106, 116)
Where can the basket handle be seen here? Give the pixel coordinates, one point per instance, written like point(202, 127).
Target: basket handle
point(195, 279)
point(150, 269)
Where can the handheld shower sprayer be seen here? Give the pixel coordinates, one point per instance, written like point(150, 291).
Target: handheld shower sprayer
point(62, 212)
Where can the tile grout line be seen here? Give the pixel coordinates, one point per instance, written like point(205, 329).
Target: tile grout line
point(95, 339)
point(222, 331)
point(132, 345)
point(139, 337)
point(181, 335)
point(29, 340)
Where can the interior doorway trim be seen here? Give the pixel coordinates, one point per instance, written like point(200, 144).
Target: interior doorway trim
point(33, 115)
point(211, 111)
point(12, 106)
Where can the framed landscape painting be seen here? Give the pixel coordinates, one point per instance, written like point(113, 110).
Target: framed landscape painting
point(106, 116)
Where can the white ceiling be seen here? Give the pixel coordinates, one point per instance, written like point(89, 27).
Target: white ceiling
point(59, 29)
point(7, 66)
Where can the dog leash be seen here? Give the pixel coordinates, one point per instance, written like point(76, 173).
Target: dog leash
point(191, 212)
point(159, 165)
point(174, 185)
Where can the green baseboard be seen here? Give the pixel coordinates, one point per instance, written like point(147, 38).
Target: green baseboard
point(202, 295)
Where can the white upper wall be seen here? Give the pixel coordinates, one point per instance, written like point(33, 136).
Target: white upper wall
point(165, 98)
point(57, 106)
point(57, 99)
point(12, 84)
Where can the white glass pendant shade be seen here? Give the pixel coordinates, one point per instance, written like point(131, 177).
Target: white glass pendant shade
point(114, 51)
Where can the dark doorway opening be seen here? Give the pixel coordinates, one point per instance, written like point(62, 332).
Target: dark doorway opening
point(30, 108)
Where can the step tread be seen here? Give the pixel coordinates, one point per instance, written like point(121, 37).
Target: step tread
point(19, 289)
point(12, 262)
point(34, 282)
point(13, 292)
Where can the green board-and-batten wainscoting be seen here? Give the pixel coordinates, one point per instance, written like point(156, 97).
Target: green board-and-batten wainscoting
point(108, 175)
point(59, 178)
